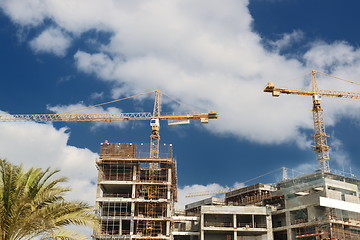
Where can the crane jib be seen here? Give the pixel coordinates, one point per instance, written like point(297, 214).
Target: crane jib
point(105, 117)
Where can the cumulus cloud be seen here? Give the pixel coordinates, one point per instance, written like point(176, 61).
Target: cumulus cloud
point(51, 40)
point(287, 39)
point(337, 55)
point(97, 95)
point(197, 188)
point(340, 157)
point(183, 191)
point(42, 145)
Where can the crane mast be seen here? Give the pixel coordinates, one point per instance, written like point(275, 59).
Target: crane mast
point(155, 127)
point(320, 137)
point(321, 146)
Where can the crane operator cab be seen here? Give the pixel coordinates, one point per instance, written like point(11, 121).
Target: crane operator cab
point(154, 122)
point(155, 127)
point(316, 99)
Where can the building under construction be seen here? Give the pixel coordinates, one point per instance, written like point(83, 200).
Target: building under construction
point(135, 193)
point(315, 206)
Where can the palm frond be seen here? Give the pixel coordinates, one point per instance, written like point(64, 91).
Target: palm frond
point(32, 203)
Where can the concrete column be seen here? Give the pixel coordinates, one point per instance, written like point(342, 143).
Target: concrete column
point(288, 224)
point(133, 191)
point(132, 221)
point(234, 226)
point(169, 192)
point(120, 227)
point(168, 210)
point(169, 204)
point(169, 176)
point(202, 235)
point(134, 173)
point(270, 235)
point(169, 185)
point(167, 228)
point(131, 227)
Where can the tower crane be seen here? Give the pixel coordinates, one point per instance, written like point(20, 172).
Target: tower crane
point(155, 117)
point(321, 146)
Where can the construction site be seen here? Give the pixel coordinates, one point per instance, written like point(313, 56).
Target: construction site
point(137, 188)
point(136, 196)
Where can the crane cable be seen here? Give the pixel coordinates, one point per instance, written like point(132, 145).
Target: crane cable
point(261, 175)
point(325, 74)
point(100, 104)
point(296, 79)
point(213, 192)
point(180, 102)
point(125, 98)
point(338, 78)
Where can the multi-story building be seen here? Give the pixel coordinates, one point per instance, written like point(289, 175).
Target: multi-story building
point(311, 207)
point(317, 206)
point(135, 194)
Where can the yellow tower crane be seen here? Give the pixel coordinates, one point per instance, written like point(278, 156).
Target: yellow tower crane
point(320, 137)
point(155, 117)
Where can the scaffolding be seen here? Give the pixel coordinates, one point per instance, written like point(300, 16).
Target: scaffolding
point(136, 194)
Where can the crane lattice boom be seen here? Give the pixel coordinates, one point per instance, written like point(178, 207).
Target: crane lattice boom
point(105, 117)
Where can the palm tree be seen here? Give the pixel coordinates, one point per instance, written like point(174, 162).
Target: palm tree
point(32, 205)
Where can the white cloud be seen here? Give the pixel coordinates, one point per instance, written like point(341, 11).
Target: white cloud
point(51, 40)
point(338, 154)
point(337, 55)
point(41, 145)
point(202, 189)
point(97, 95)
point(287, 39)
point(196, 188)
point(25, 12)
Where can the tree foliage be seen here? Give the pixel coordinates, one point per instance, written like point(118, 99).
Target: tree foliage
point(32, 205)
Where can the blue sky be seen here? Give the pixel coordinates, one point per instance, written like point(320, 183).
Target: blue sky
point(216, 55)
